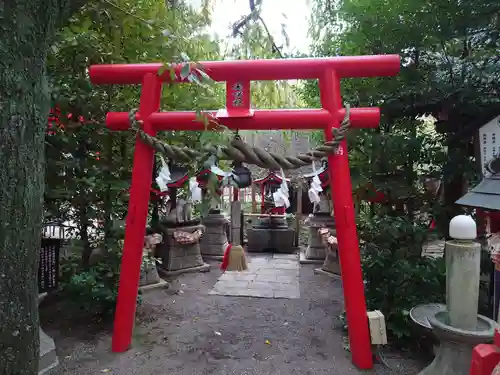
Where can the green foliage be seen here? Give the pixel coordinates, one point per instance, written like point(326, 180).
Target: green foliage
point(449, 64)
point(449, 69)
point(91, 289)
point(397, 277)
point(89, 167)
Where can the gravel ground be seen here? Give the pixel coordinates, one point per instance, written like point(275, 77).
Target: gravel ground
point(193, 333)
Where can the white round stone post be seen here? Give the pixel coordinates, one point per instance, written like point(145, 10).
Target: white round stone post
point(463, 257)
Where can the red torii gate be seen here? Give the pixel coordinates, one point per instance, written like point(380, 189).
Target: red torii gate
point(239, 115)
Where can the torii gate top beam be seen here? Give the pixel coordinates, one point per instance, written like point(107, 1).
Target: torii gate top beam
point(257, 70)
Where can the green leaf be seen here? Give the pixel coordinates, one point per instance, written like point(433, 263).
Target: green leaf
point(186, 68)
point(162, 70)
point(204, 76)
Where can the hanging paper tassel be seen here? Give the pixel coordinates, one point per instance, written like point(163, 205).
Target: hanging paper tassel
point(315, 188)
point(281, 196)
point(164, 176)
point(216, 170)
point(195, 190)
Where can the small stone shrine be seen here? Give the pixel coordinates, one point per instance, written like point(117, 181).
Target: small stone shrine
point(321, 217)
point(180, 250)
point(214, 241)
point(271, 232)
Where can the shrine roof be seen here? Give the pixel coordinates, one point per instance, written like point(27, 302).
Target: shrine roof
point(272, 176)
point(486, 194)
point(281, 142)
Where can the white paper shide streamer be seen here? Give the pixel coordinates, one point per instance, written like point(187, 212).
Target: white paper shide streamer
point(281, 195)
point(315, 188)
point(163, 176)
point(195, 190)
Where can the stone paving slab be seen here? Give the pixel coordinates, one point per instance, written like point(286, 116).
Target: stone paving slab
point(268, 276)
point(304, 260)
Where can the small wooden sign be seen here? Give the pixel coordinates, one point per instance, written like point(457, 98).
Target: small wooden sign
point(48, 268)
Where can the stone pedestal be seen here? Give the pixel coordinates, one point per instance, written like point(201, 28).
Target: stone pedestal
point(267, 239)
point(332, 262)
point(454, 355)
point(179, 258)
point(459, 328)
point(48, 356)
point(271, 234)
point(149, 275)
point(316, 251)
point(214, 241)
point(463, 261)
point(331, 265)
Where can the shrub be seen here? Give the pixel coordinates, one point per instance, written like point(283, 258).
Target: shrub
point(93, 289)
point(397, 277)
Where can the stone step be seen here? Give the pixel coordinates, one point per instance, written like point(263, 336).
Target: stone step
point(48, 355)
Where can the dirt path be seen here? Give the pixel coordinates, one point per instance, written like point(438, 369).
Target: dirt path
point(196, 333)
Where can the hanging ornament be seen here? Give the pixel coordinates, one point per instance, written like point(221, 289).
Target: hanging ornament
point(281, 195)
point(315, 187)
point(163, 176)
point(195, 190)
point(219, 172)
point(242, 175)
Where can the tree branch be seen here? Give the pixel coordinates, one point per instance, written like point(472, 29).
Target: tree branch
point(255, 15)
point(271, 39)
point(113, 5)
point(66, 9)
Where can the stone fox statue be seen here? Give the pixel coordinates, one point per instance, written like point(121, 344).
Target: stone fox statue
point(181, 212)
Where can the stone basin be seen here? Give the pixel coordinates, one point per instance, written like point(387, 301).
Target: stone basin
point(454, 354)
point(420, 314)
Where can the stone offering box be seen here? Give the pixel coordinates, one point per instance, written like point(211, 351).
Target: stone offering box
point(178, 258)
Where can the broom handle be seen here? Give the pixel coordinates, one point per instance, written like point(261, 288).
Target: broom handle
point(236, 223)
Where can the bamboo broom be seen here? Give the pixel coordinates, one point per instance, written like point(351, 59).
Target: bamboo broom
point(234, 255)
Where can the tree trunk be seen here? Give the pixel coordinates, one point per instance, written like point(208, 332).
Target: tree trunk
point(107, 199)
point(23, 116)
point(26, 31)
point(84, 232)
point(453, 184)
